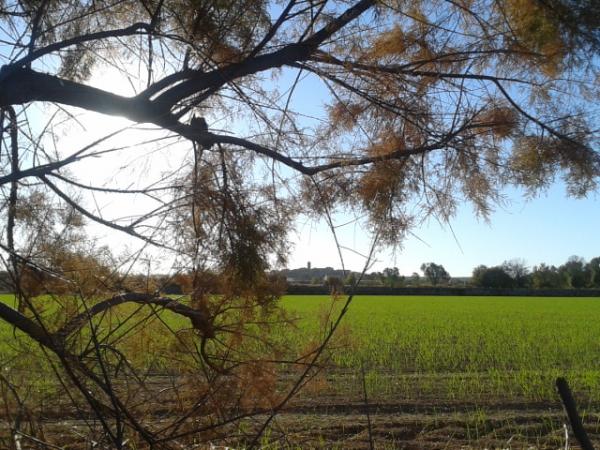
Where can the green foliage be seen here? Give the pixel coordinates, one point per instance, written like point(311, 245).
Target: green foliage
point(492, 277)
point(350, 279)
point(594, 268)
point(391, 277)
point(544, 276)
point(518, 271)
point(576, 272)
point(435, 273)
point(334, 284)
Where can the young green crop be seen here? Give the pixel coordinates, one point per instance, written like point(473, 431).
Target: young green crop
point(464, 346)
point(437, 347)
point(440, 351)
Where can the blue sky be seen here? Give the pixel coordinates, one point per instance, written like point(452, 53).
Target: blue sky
point(549, 229)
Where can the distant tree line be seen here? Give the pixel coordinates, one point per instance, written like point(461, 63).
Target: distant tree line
point(575, 273)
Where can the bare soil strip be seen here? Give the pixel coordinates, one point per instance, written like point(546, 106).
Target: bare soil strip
point(328, 418)
point(426, 425)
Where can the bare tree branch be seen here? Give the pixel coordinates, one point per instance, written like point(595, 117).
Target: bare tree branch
point(198, 319)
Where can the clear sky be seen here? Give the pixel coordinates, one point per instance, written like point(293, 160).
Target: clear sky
point(548, 229)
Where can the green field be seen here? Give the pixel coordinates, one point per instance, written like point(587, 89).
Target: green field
point(477, 371)
point(464, 346)
point(449, 347)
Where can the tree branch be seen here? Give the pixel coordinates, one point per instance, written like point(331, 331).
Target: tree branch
point(406, 69)
point(125, 229)
point(571, 408)
point(12, 199)
point(27, 85)
point(198, 319)
point(538, 122)
point(273, 29)
point(291, 53)
point(46, 169)
point(131, 30)
point(27, 326)
point(24, 85)
point(313, 170)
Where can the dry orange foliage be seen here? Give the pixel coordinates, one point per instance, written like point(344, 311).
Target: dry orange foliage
point(537, 31)
point(501, 120)
point(392, 43)
point(344, 115)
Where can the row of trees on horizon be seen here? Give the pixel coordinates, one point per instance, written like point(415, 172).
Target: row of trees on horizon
point(575, 273)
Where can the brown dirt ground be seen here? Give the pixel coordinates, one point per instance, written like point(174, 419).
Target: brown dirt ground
point(326, 418)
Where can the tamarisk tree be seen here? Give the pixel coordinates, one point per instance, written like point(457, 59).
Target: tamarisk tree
point(244, 114)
